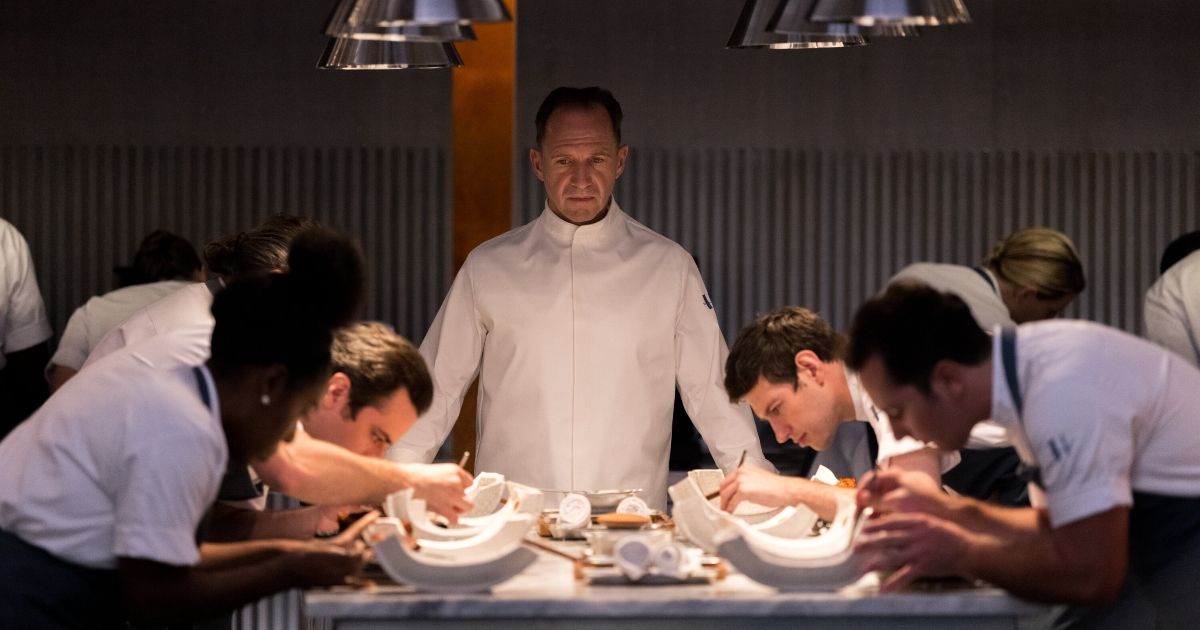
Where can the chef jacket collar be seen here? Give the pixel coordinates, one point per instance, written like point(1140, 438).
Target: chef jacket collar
point(565, 232)
point(863, 406)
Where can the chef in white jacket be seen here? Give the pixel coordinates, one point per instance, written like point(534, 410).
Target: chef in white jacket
point(1172, 306)
point(579, 325)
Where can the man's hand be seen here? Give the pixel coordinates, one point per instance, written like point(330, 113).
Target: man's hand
point(326, 563)
point(913, 546)
point(756, 485)
point(443, 487)
point(903, 491)
point(351, 539)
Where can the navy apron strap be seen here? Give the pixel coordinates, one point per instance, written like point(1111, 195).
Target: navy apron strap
point(202, 383)
point(1008, 354)
point(987, 278)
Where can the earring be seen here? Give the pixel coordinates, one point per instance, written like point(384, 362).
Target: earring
point(265, 400)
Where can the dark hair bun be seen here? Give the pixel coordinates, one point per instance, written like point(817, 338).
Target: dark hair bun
point(288, 317)
point(327, 272)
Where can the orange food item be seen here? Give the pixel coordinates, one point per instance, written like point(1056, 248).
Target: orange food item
point(847, 482)
point(617, 519)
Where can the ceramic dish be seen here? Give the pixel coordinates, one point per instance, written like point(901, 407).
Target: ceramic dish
point(700, 519)
point(497, 538)
point(438, 575)
point(816, 563)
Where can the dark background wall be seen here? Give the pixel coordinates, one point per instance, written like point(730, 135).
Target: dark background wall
point(809, 177)
point(794, 176)
point(202, 118)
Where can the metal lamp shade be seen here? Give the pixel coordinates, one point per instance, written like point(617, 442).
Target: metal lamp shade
point(393, 13)
point(792, 17)
point(343, 53)
point(751, 31)
point(449, 32)
point(905, 12)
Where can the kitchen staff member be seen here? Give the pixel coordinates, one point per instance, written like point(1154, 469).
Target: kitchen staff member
point(24, 332)
point(1171, 310)
point(788, 366)
point(102, 490)
point(579, 325)
point(1031, 275)
point(1107, 425)
point(379, 383)
point(309, 469)
point(163, 264)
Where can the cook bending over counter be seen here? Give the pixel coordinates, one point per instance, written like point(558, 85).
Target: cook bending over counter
point(1107, 426)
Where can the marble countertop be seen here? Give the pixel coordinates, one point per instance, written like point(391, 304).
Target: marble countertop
point(548, 589)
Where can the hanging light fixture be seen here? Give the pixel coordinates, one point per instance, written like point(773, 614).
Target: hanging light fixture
point(448, 32)
point(751, 31)
point(905, 12)
point(366, 14)
point(344, 53)
point(792, 17)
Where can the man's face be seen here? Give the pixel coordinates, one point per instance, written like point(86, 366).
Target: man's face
point(927, 417)
point(370, 431)
point(579, 162)
point(805, 415)
point(375, 428)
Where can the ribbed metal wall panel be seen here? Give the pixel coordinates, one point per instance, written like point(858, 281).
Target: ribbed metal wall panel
point(83, 209)
point(826, 229)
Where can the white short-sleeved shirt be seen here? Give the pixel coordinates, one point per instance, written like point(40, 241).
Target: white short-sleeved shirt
point(980, 289)
point(123, 461)
point(1171, 309)
point(90, 322)
point(23, 321)
point(1105, 414)
point(849, 454)
point(187, 308)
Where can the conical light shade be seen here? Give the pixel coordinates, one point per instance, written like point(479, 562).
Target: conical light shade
point(792, 17)
point(906, 12)
point(449, 32)
point(392, 13)
point(751, 31)
point(343, 53)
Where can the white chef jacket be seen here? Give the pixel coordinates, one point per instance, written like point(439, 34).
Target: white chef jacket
point(849, 454)
point(23, 321)
point(579, 335)
point(1171, 309)
point(982, 295)
point(1105, 414)
point(187, 308)
point(121, 462)
point(90, 322)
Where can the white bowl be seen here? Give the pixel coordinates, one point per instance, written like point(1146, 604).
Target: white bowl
point(817, 563)
point(440, 575)
point(700, 519)
point(485, 493)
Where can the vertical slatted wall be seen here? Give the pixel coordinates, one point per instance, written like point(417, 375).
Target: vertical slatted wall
point(826, 229)
point(83, 209)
